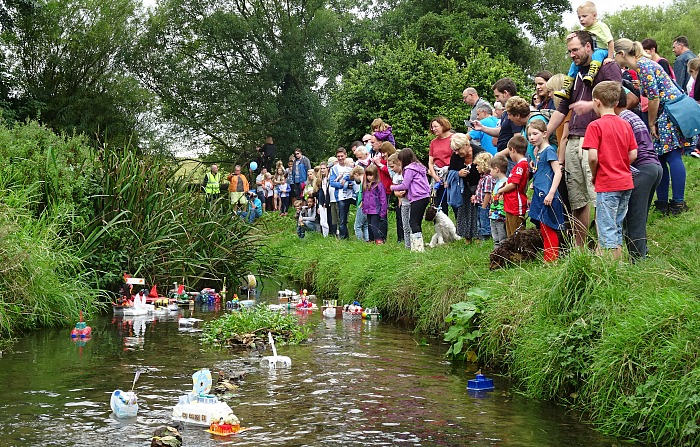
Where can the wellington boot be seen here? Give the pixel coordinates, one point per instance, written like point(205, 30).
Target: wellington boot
point(565, 92)
point(417, 242)
point(592, 72)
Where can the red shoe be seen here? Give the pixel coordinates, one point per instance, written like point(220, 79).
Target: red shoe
point(379, 241)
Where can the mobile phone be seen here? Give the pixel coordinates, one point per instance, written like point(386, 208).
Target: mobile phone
point(468, 124)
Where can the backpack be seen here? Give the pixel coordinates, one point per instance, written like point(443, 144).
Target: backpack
point(546, 115)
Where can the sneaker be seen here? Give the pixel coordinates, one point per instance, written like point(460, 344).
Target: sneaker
point(695, 153)
point(379, 241)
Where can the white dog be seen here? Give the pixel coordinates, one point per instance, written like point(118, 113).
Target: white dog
point(445, 231)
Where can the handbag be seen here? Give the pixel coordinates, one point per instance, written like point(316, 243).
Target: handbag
point(685, 113)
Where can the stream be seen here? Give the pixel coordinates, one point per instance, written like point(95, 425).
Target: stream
point(355, 383)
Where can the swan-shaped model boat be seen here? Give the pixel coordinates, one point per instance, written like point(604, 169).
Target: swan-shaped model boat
point(198, 407)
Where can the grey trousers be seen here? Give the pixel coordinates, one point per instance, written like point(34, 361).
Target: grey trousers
point(635, 224)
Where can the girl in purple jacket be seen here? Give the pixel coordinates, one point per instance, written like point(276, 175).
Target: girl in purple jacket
point(374, 204)
point(382, 131)
point(415, 181)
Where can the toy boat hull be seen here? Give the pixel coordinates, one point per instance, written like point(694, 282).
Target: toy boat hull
point(240, 430)
point(141, 310)
point(198, 413)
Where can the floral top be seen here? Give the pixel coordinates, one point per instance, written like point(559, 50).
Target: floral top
point(656, 84)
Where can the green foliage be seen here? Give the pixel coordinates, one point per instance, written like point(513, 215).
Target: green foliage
point(662, 24)
point(464, 329)
point(455, 27)
point(407, 87)
point(151, 224)
point(258, 322)
point(231, 73)
point(65, 59)
point(43, 281)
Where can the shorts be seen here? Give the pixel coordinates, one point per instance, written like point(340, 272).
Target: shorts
point(513, 222)
point(611, 209)
point(237, 198)
point(578, 174)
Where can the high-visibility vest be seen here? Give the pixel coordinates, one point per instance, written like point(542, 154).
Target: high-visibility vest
point(213, 183)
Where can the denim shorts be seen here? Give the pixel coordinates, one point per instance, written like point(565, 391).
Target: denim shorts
point(611, 209)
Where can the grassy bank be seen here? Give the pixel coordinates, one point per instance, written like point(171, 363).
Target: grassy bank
point(618, 341)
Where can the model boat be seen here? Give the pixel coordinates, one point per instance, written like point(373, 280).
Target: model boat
point(198, 407)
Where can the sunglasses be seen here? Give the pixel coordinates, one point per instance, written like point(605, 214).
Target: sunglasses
point(365, 141)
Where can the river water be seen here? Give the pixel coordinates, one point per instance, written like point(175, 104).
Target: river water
point(353, 384)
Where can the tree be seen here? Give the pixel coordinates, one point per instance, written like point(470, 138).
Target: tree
point(230, 72)
point(662, 24)
point(453, 27)
point(65, 59)
point(407, 87)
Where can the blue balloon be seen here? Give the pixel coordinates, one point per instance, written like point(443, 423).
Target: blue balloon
point(253, 165)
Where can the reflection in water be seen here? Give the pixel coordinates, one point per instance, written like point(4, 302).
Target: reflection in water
point(355, 383)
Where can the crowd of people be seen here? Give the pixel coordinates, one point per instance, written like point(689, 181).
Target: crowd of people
point(599, 140)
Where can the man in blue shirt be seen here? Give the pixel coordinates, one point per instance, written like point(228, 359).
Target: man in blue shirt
point(680, 65)
point(300, 169)
point(483, 114)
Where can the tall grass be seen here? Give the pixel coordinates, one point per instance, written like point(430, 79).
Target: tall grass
point(152, 224)
point(42, 280)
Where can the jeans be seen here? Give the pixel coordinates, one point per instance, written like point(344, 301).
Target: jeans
point(285, 204)
point(301, 229)
point(343, 210)
point(635, 226)
point(250, 216)
point(611, 209)
point(361, 225)
point(673, 167)
point(400, 234)
point(484, 223)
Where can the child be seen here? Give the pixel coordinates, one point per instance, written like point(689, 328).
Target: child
point(497, 216)
point(482, 197)
point(269, 187)
point(254, 208)
point(546, 207)
point(361, 225)
point(374, 204)
point(611, 148)
point(323, 200)
point(307, 217)
point(382, 131)
point(308, 190)
point(285, 189)
point(278, 179)
point(415, 181)
point(403, 227)
point(588, 18)
point(514, 198)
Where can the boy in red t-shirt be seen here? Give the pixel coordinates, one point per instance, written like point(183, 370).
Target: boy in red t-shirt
point(611, 148)
point(514, 198)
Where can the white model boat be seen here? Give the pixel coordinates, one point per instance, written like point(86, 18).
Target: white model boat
point(140, 307)
point(124, 404)
point(198, 407)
